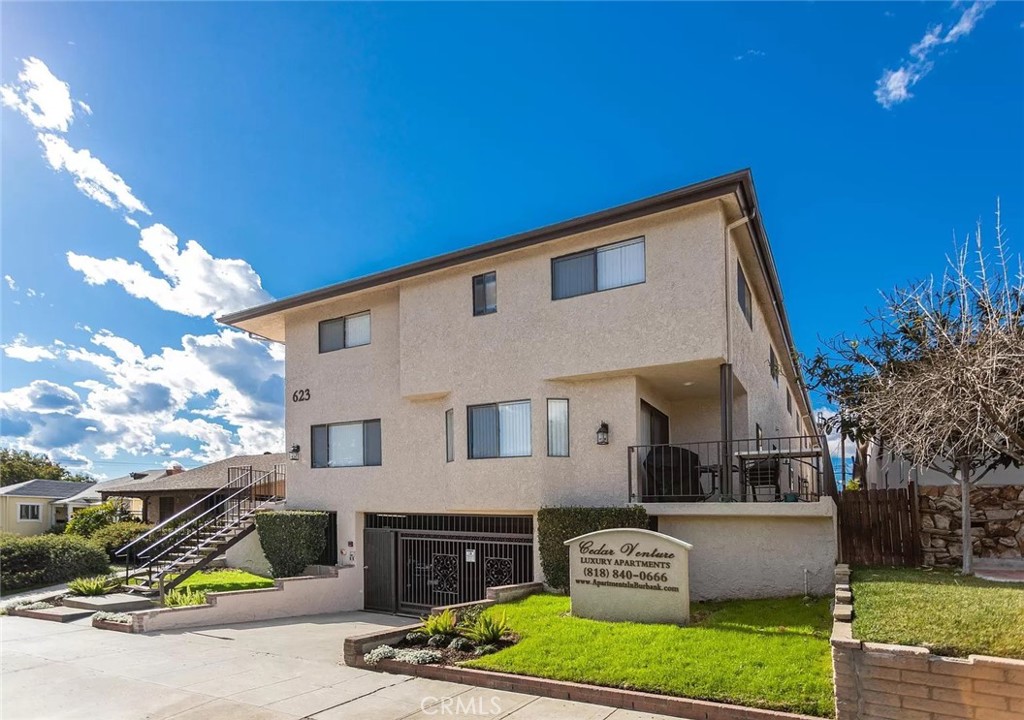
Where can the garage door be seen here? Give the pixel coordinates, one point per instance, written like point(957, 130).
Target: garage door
point(416, 562)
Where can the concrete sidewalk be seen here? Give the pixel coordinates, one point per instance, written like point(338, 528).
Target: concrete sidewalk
point(271, 670)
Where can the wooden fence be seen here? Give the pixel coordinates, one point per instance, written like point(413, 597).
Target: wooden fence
point(880, 527)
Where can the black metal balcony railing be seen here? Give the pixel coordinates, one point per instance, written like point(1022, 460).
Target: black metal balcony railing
point(783, 469)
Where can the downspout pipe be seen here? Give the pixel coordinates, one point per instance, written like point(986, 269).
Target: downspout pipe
point(725, 374)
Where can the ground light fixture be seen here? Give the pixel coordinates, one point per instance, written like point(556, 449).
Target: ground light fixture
point(293, 453)
point(602, 434)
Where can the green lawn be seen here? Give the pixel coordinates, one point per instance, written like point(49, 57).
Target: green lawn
point(948, 613)
point(224, 580)
point(772, 654)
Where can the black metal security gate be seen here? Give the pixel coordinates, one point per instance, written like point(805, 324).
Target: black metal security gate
point(416, 562)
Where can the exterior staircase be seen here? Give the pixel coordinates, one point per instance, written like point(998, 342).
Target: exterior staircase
point(190, 540)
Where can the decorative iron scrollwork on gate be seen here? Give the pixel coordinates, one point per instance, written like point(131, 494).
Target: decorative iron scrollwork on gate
point(446, 573)
point(497, 572)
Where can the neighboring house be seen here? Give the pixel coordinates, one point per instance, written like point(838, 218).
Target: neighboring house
point(160, 494)
point(91, 497)
point(887, 469)
point(638, 354)
point(33, 507)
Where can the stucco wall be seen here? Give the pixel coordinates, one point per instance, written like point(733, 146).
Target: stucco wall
point(291, 597)
point(750, 550)
point(247, 554)
point(9, 515)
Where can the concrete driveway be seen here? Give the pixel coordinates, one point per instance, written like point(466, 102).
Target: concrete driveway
point(270, 670)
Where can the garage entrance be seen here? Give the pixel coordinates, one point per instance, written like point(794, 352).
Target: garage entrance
point(416, 562)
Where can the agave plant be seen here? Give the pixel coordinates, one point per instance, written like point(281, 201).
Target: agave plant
point(443, 623)
point(92, 586)
point(488, 629)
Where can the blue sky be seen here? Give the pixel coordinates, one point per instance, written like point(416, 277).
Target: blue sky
point(301, 144)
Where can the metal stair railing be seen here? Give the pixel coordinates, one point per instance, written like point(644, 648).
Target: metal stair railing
point(232, 507)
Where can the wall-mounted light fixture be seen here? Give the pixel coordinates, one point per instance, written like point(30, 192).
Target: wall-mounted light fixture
point(293, 453)
point(602, 434)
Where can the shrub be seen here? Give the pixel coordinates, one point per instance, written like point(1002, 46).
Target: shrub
point(555, 525)
point(485, 650)
point(115, 536)
point(488, 629)
point(384, 652)
point(292, 539)
point(27, 561)
point(117, 617)
point(443, 623)
point(92, 586)
point(416, 637)
point(180, 597)
point(439, 641)
point(38, 605)
point(418, 657)
point(461, 643)
point(88, 520)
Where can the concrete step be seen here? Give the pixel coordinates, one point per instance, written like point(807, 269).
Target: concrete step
point(55, 614)
point(116, 602)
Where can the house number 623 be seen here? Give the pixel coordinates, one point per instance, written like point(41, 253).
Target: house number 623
point(300, 395)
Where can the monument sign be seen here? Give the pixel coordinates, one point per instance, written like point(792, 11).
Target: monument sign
point(630, 574)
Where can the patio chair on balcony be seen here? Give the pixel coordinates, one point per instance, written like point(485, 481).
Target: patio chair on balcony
point(762, 477)
point(671, 474)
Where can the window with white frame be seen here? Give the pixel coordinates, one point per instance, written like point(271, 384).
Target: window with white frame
point(449, 435)
point(349, 444)
point(603, 268)
point(345, 332)
point(30, 511)
point(558, 427)
point(499, 430)
point(743, 295)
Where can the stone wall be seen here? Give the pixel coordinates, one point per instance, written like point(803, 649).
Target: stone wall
point(899, 682)
point(997, 523)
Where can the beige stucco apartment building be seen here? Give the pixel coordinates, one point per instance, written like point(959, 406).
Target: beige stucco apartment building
point(638, 354)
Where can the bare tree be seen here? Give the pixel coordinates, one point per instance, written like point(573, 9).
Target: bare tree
point(939, 377)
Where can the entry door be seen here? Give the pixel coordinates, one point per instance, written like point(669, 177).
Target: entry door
point(166, 508)
point(379, 565)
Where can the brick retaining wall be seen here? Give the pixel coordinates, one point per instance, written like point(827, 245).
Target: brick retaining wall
point(899, 682)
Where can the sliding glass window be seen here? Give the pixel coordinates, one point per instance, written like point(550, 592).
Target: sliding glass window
point(499, 430)
point(351, 444)
point(603, 268)
point(345, 332)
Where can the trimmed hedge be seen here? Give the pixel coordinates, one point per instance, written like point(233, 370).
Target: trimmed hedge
point(292, 539)
point(30, 560)
point(555, 525)
point(113, 537)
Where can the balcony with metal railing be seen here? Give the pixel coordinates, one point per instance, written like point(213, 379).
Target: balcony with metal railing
point(779, 469)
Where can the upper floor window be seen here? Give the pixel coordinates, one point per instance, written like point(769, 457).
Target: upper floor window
point(499, 430)
point(558, 427)
point(485, 294)
point(349, 444)
point(743, 294)
point(598, 269)
point(29, 512)
point(773, 364)
point(345, 332)
point(759, 436)
point(789, 402)
point(449, 435)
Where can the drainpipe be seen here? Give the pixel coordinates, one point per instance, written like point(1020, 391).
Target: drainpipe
point(725, 370)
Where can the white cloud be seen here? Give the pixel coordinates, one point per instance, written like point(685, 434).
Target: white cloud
point(10, 282)
point(223, 391)
point(894, 86)
point(40, 96)
point(19, 349)
point(749, 54)
point(84, 106)
point(193, 283)
point(92, 177)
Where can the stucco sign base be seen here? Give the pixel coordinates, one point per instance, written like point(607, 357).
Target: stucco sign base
point(632, 575)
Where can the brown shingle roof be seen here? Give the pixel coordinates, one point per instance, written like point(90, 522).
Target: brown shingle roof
point(207, 477)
